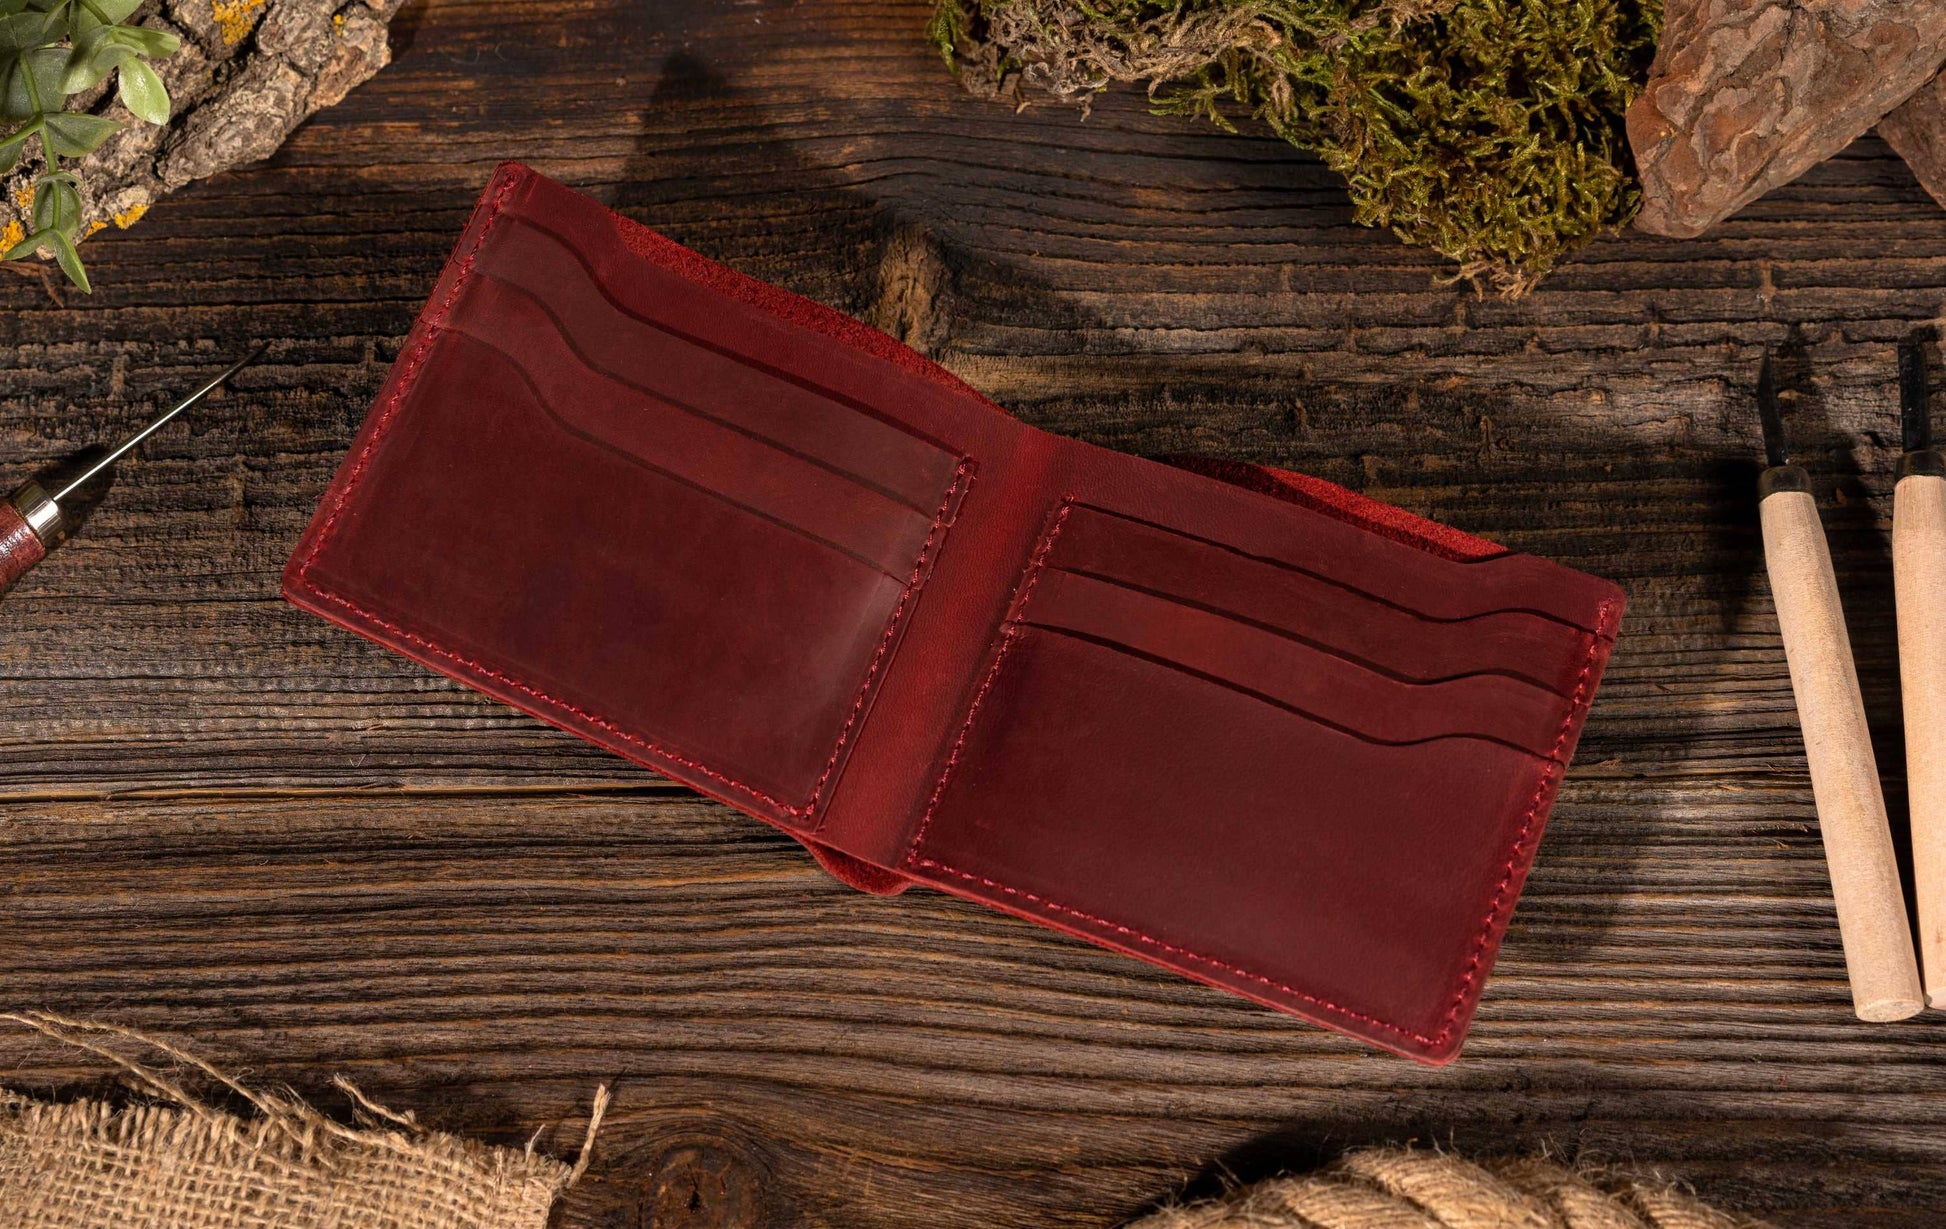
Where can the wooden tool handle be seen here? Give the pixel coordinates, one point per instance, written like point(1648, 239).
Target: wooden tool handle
point(1844, 775)
point(1919, 571)
point(19, 548)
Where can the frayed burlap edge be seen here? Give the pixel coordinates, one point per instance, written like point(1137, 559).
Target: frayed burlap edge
point(1403, 1188)
point(185, 1165)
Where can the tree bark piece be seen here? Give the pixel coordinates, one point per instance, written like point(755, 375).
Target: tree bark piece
point(1916, 131)
point(1746, 95)
point(248, 73)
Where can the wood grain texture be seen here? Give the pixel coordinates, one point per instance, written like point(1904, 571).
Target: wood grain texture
point(228, 822)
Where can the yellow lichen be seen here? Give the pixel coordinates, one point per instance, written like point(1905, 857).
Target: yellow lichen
point(235, 18)
point(24, 197)
point(12, 233)
point(96, 225)
point(130, 216)
point(338, 24)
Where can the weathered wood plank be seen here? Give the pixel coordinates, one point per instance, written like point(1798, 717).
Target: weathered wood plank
point(489, 959)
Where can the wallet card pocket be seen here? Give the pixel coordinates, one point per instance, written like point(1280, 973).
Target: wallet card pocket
point(1144, 730)
point(1318, 605)
point(568, 502)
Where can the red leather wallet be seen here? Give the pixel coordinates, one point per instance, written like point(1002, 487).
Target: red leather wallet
point(1238, 722)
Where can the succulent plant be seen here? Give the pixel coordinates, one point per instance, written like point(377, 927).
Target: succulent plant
point(51, 50)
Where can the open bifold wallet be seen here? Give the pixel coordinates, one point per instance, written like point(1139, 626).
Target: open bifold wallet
point(1237, 722)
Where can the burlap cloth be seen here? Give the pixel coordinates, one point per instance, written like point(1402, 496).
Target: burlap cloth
point(184, 1165)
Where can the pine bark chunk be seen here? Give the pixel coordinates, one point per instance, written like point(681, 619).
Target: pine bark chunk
point(1746, 95)
point(1916, 131)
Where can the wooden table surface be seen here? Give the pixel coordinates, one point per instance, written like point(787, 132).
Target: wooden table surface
point(240, 828)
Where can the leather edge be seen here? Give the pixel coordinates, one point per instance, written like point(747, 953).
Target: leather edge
point(855, 335)
point(500, 186)
point(1344, 504)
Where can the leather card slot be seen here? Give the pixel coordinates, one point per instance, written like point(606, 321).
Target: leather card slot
point(627, 603)
point(657, 434)
point(1292, 675)
point(1328, 614)
point(1411, 578)
point(1188, 822)
point(622, 340)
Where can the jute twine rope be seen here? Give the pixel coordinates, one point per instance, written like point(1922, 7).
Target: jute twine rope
point(1394, 1188)
point(186, 1165)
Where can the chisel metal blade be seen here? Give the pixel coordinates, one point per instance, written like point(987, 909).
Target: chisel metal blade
point(1915, 410)
point(1777, 449)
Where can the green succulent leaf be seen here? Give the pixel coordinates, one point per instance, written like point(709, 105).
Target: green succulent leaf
point(12, 145)
point(143, 93)
point(92, 59)
point(72, 135)
point(33, 83)
point(26, 247)
point(91, 13)
point(143, 41)
point(20, 32)
point(50, 49)
point(70, 261)
point(57, 205)
point(54, 26)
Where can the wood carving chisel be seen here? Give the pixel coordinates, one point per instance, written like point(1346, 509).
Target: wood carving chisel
point(1919, 575)
point(31, 520)
point(1844, 775)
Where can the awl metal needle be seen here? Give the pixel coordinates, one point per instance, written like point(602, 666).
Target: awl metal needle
point(31, 521)
point(1831, 712)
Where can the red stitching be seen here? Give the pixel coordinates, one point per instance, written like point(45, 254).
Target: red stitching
point(1182, 953)
point(407, 377)
point(1575, 705)
point(592, 718)
point(1008, 635)
point(962, 474)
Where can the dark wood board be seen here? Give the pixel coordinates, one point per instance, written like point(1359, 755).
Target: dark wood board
point(237, 827)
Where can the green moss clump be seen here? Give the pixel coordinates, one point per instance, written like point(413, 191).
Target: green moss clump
point(1488, 130)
